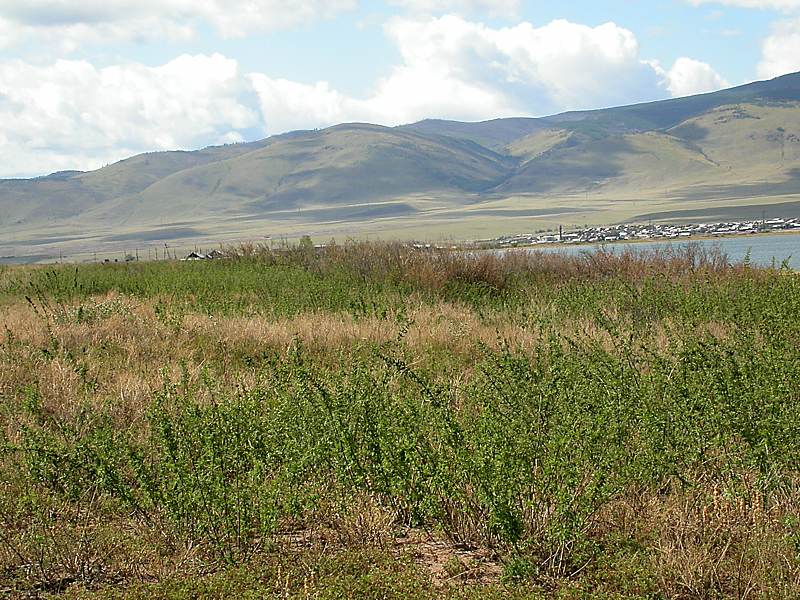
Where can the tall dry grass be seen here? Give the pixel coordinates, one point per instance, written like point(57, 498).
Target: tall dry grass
point(436, 268)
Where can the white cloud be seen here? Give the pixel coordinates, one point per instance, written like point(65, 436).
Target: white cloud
point(70, 22)
point(454, 68)
point(289, 105)
point(688, 76)
point(64, 38)
point(503, 8)
point(780, 52)
point(74, 115)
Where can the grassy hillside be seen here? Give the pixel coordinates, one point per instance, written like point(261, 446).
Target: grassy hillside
point(137, 173)
point(731, 151)
point(315, 174)
point(534, 145)
point(61, 196)
point(717, 153)
point(669, 113)
point(644, 161)
point(496, 134)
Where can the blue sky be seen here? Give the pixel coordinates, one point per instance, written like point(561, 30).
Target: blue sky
point(85, 83)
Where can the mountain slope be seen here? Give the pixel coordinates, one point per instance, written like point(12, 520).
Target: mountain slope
point(496, 134)
point(715, 153)
point(70, 194)
point(341, 166)
point(638, 161)
point(665, 114)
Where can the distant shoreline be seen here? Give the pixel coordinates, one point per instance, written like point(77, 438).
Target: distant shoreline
point(11, 261)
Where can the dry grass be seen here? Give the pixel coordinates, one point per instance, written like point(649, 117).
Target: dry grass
point(734, 547)
point(116, 358)
point(435, 269)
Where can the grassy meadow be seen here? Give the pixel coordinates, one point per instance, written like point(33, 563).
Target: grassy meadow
point(374, 421)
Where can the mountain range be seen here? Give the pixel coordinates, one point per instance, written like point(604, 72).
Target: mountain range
point(723, 155)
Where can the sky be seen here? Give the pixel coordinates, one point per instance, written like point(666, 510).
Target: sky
point(84, 83)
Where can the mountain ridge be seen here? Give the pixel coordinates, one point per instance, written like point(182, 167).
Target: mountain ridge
point(737, 145)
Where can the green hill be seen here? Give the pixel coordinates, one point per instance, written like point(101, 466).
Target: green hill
point(325, 173)
point(717, 153)
point(69, 194)
point(669, 113)
point(496, 134)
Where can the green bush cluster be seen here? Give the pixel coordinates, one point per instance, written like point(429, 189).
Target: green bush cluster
point(521, 458)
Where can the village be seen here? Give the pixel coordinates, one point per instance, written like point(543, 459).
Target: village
point(650, 231)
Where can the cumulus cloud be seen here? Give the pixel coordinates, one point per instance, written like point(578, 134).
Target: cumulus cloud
point(688, 76)
point(456, 68)
point(780, 52)
point(73, 115)
point(70, 22)
point(289, 105)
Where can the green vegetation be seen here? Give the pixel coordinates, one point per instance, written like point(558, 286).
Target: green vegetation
point(374, 421)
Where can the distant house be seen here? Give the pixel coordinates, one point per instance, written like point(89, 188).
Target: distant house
point(200, 256)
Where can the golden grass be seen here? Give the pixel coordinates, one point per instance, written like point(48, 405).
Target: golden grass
point(727, 546)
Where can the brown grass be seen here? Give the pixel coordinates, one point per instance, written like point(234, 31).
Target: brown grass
point(435, 269)
point(117, 360)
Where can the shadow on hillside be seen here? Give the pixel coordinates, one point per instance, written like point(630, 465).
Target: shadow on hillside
point(690, 132)
point(386, 172)
point(578, 165)
point(510, 213)
point(788, 187)
point(168, 233)
point(314, 215)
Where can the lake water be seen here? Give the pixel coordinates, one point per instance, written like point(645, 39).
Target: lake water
point(764, 249)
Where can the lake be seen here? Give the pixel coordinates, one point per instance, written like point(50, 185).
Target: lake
point(765, 249)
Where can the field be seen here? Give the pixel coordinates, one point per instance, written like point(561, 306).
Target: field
point(374, 421)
